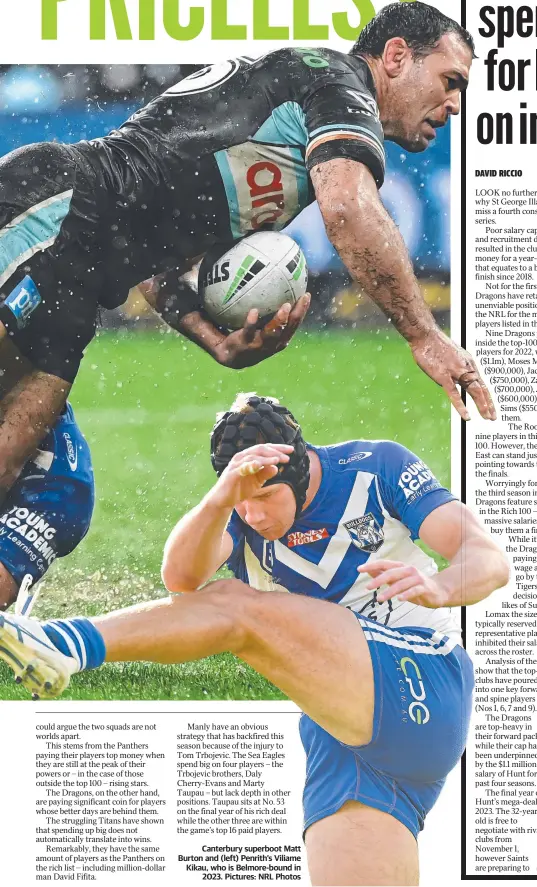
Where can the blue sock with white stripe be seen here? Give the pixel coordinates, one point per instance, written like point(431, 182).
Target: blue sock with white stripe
point(79, 639)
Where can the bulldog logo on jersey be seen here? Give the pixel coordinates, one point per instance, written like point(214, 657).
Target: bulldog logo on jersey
point(365, 532)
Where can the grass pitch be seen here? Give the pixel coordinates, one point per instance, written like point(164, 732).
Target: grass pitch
point(146, 402)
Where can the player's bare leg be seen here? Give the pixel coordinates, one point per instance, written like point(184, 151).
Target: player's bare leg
point(27, 412)
point(317, 654)
point(361, 845)
point(314, 651)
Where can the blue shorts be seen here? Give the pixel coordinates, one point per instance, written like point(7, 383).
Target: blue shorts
point(423, 700)
point(48, 510)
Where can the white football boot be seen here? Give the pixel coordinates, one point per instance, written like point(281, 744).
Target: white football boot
point(38, 665)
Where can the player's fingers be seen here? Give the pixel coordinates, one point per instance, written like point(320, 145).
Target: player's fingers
point(388, 577)
point(396, 588)
point(278, 322)
point(262, 469)
point(263, 450)
point(282, 314)
point(299, 311)
point(374, 567)
point(469, 378)
point(266, 473)
point(251, 467)
point(478, 392)
point(259, 462)
point(271, 449)
point(453, 393)
point(250, 325)
point(410, 595)
point(475, 386)
point(296, 317)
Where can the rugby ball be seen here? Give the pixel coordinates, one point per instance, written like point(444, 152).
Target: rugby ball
point(263, 271)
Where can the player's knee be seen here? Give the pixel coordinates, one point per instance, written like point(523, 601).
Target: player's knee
point(233, 589)
point(236, 601)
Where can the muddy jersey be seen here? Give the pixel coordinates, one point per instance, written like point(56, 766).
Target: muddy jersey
point(227, 151)
point(372, 500)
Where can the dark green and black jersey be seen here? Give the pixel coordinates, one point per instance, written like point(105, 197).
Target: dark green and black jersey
point(222, 154)
point(227, 151)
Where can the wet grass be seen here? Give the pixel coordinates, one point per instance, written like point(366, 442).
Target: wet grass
point(146, 402)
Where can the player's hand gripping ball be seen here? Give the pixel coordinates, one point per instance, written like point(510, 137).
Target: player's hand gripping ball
point(263, 271)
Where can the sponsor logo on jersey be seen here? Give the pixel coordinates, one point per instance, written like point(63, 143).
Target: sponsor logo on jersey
point(417, 709)
point(72, 452)
point(365, 532)
point(20, 524)
point(23, 301)
point(416, 480)
point(306, 538)
point(267, 198)
point(313, 58)
point(356, 457)
point(262, 185)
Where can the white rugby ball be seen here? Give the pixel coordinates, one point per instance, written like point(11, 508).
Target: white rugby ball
point(263, 271)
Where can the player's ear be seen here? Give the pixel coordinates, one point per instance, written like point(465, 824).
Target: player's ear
point(396, 56)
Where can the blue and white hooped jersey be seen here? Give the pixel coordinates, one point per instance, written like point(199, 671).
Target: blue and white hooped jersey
point(372, 500)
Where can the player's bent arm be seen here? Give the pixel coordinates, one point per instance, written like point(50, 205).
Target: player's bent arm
point(235, 350)
point(370, 244)
point(197, 547)
point(181, 310)
point(371, 247)
point(188, 320)
point(177, 303)
point(477, 566)
point(200, 544)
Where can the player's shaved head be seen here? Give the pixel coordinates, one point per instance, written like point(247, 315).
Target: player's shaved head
point(421, 26)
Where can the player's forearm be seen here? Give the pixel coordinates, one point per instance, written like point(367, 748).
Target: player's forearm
point(191, 554)
point(478, 569)
point(181, 312)
point(202, 332)
point(373, 251)
point(370, 244)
